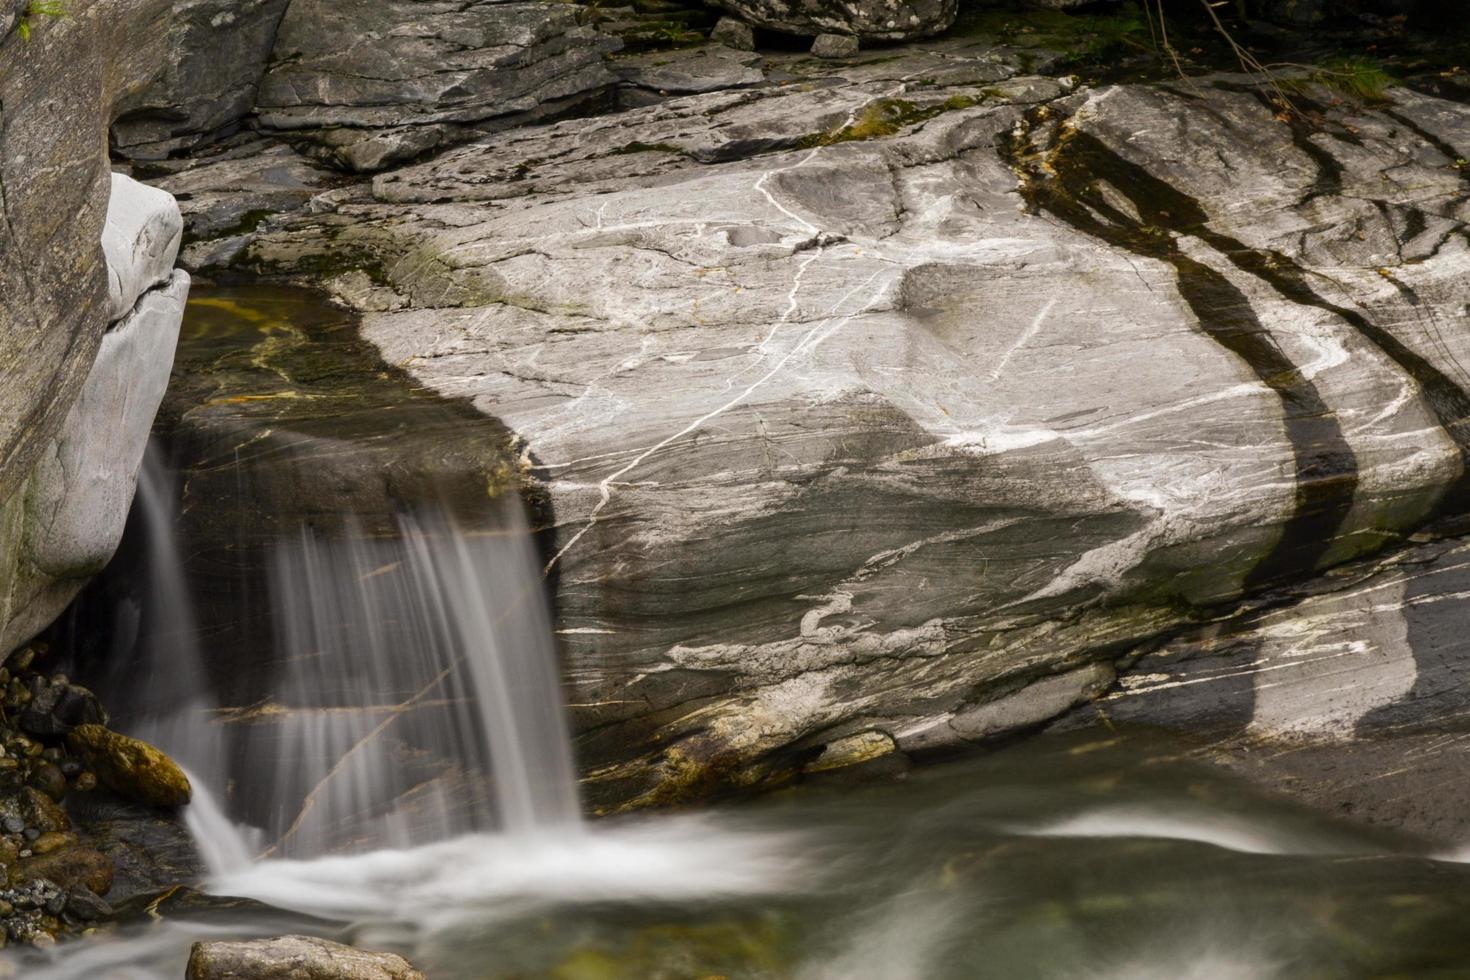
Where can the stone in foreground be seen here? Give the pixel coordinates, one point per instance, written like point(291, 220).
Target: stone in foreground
point(294, 958)
point(130, 766)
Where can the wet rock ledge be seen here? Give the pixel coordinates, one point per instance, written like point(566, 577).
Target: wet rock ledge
point(883, 405)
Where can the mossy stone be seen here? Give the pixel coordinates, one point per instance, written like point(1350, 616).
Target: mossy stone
point(130, 766)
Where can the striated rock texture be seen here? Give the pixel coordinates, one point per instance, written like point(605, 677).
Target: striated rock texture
point(1350, 694)
point(56, 91)
point(89, 303)
point(420, 73)
point(874, 20)
point(215, 54)
point(294, 958)
point(64, 521)
point(897, 402)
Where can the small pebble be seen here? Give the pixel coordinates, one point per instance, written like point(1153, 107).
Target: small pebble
point(13, 825)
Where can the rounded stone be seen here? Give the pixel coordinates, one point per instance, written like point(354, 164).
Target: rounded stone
point(835, 46)
point(130, 766)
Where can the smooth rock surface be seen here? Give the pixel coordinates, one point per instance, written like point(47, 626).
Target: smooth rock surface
point(65, 525)
point(344, 66)
point(86, 326)
point(294, 958)
point(906, 386)
point(140, 242)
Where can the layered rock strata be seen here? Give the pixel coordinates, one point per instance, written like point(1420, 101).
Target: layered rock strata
point(385, 82)
point(895, 402)
point(215, 53)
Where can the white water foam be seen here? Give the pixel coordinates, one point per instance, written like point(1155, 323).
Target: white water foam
point(224, 845)
point(1201, 825)
point(674, 858)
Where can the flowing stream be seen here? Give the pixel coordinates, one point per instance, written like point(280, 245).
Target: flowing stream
point(378, 746)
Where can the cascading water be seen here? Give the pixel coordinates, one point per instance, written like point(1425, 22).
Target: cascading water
point(412, 666)
point(410, 671)
point(179, 713)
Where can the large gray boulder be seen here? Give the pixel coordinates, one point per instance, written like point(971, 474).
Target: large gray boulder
point(82, 334)
point(216, 52)
point(905, 403)
point(875, 20)
point(64, 521)
point(60, 91)
point(383, 82)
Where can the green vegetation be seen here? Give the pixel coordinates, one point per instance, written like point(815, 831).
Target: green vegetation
point(1356, 78)
point(885, 117)
point(36, 9)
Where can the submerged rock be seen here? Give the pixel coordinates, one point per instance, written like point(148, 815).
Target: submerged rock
point(294, 958)
point(149, 848)
point(129, 766)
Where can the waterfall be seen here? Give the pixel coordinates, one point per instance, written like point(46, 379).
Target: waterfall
point(434, 640)
point(411, 693)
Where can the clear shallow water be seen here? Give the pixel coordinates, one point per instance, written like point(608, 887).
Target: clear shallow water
point(1081, 856)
